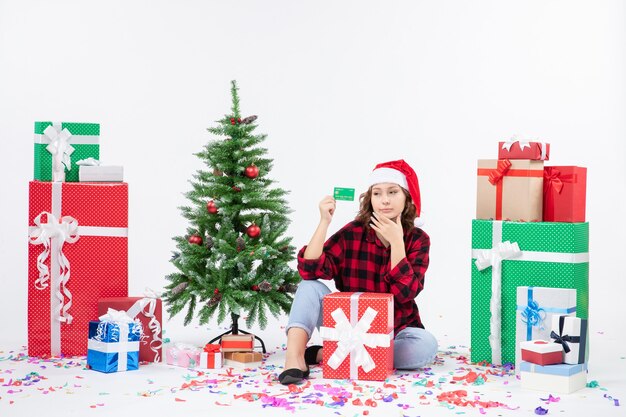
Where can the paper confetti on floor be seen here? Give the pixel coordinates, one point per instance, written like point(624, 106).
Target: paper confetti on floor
point(451, 383)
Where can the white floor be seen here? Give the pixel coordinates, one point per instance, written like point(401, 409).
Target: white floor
point(63, 387)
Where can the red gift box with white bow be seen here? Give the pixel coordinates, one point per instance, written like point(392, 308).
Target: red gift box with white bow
point(358, 336)
point(78, 253)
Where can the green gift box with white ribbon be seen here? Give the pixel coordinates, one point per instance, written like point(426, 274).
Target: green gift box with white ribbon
point(58, 146)
point(507, 255)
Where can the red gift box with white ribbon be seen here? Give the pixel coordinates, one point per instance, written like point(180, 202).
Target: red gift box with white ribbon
point(78, 253)
point(358, 336)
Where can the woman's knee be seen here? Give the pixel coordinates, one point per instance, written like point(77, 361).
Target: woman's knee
point(414, 348)
point(310, 287)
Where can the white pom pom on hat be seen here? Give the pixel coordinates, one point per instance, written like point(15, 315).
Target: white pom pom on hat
point(401, 173)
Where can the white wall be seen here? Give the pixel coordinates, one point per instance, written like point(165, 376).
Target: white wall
point(338, 87)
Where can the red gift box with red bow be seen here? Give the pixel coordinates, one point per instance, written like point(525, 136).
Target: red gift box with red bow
point(564, 194)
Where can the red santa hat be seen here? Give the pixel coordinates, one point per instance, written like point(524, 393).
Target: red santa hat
point(401, 173)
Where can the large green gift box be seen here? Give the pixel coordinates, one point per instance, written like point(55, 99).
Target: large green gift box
point(73, 141)
point(506, 255)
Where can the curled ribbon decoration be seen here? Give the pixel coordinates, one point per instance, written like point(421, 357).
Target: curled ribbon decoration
point(496, 175)
point(60, 149)
point(149, 301)
point(533, 315)
point(352, 340)
point(493, 258)
point(52, 234)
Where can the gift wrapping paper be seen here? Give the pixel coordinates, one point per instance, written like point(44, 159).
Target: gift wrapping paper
point(506, 255)
point(564, 194)
point(78, 253)
point(541, 352)
point(357, 336)
point(509, 190)
point(562, 378)
point(59, 145)
point(237, 343)
point(113, 347)
point(181, 354)
point(148, 310)
point(536, 306)
point(571, 333)
point(524, 150)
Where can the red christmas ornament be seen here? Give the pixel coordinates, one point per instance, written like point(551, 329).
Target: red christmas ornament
point(216, 291)
point(195, 240)
point(253, 231)
point(211, 207)
point(233, 121)
point(252, 171)
point(255, 288)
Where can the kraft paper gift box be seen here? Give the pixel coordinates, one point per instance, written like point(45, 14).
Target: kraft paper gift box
point(59, 145)
point(564, 194)
point(181, 354)
point(237, 343)
point(541, 352)
point(357, 336)
point(149, 311)
point(243, 359)
point(114, 343)
point(536, 306)
point(509, 190)
point(506, 255)
point(539, 151)
point(210, 357)
point(562, 378)
point(571, 334)
point(78, 248)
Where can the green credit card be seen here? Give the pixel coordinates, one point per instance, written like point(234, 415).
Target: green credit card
point(345, 194)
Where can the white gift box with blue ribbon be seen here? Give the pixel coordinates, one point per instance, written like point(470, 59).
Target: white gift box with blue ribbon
point(113, 344)
point(535, 308)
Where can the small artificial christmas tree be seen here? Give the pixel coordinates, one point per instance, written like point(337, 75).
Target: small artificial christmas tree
point(234, 258)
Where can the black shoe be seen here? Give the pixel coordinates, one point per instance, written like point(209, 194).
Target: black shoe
point(293, 376)
point(310, 355)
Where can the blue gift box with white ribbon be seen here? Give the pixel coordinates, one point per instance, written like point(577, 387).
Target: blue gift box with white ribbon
point(535, 308)
point(113, 345)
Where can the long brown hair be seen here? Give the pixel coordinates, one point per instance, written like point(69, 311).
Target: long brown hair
point(365, 210)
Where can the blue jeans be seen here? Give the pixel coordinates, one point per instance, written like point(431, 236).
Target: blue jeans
point(413, 347)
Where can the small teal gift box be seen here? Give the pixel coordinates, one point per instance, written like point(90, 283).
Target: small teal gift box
point(58, 146)
point(113, 344)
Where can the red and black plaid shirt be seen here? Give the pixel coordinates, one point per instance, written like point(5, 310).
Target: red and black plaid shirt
point(358, 261)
